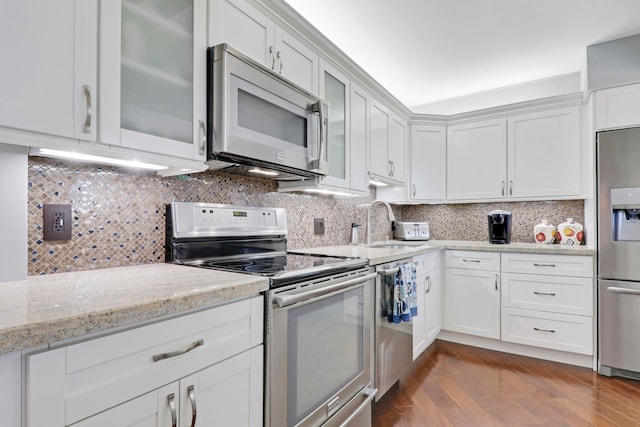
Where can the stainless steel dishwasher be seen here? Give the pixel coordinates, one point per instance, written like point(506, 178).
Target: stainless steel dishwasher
point(393, 341)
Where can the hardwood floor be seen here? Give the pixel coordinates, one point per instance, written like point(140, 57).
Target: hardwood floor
point(456, 385)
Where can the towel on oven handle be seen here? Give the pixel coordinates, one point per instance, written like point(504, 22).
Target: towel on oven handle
point(400, 303)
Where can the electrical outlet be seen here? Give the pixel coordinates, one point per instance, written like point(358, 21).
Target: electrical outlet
point(318, 226)
point(57, 222)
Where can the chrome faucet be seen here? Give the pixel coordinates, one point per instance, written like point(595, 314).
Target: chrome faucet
point(392, 218)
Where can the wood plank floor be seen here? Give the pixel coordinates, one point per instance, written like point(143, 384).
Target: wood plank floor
point(456, 385)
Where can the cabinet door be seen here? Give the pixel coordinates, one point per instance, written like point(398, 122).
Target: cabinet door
point(49, 66)
point(153, 76)
point(545, 156)
point(10, 388)
point(428, 161)
point(334, 88)
point(155, 409)
point(397, 148)
point(472, 302)
point(477, 160)
point(618, 107)
point(378, 162)
point(244, 28)
point(432, 306)
point(226, 394)
point(427, 325)
point(359, 138)
point(295, 61)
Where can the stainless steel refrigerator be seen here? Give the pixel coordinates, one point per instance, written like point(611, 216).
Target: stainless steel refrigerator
point(618, 175)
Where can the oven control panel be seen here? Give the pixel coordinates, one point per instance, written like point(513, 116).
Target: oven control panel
point(208, 219)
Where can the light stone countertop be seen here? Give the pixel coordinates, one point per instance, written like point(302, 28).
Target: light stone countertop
point(56, 307)
point(412, 248)
point(50, 308)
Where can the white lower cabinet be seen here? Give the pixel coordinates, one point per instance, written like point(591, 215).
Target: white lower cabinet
point(547, 301)
point(10, 388)
point(207, 365)
point(426, 325)
point(472, 293)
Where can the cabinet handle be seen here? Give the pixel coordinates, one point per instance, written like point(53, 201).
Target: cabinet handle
point(503, 188)
point(414, 190)
point(535, 264)
point(393, 168)
point(191, 390)
point(280, 61)
point(510, 188)
point(161, 356)
point(203, 138)
point(87, 116)
point(544, 330)
point(551, 294)
point(470, 260)
point(428, 284)
point(273, 58)
point(496, 281)
point(171, 399)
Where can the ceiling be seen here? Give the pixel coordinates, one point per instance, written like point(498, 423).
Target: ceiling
point(426, 51)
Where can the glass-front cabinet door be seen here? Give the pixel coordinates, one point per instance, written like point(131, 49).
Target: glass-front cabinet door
point(153, 76)
point(334, 88)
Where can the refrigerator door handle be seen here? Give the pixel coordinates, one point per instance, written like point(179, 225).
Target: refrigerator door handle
point(618, 290)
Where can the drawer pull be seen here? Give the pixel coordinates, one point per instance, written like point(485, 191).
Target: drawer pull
point(551, 294)
point(161, 356)
point(470, 260)
point(535, 264)
point(171, 399)
point(428, 284)
point(544, 330)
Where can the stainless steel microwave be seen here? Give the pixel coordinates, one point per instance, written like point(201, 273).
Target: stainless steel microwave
point(259, 121)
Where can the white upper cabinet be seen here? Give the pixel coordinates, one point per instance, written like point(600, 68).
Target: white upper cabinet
point(49, 67)
point(618, 107)
point(477, 160)
point(428, 161)
point(246, 29)
point(526, 156)
point(359, 141)
point(335, 89)
point(153, 76)
point(545, 157)
point(387, 149)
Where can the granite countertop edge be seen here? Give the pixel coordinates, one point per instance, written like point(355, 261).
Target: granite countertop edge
point(51, 308)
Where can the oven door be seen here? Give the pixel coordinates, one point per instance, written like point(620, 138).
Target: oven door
point(319, 349)
point(260, 116)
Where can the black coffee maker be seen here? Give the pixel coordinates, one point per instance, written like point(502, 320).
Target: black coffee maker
point(499, 227)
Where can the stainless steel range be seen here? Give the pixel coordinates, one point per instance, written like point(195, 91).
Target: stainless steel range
point(319, 310)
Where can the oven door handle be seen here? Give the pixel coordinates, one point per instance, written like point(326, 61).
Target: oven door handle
point(285, 300)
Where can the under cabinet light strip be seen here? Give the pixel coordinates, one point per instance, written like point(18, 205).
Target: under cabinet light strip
point(97, 159)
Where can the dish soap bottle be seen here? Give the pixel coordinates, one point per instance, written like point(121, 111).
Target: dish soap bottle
point(354, 233)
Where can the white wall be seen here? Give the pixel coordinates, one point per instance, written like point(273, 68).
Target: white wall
point(13, 219)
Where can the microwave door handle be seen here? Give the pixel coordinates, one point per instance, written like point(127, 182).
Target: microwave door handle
point(319, 108)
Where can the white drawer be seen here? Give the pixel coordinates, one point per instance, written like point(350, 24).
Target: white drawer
point(549, 330)
point(557, 265)
point(427, 262)
point(558, 294)
point(94, 375)
point(472, 260)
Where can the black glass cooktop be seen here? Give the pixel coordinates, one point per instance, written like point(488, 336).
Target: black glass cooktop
point(286, 268)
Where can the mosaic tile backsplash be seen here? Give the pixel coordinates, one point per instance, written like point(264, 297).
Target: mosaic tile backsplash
point(469, 221)
point(119, 215)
